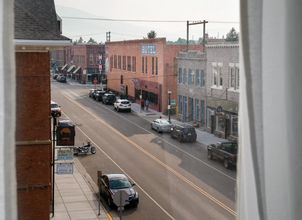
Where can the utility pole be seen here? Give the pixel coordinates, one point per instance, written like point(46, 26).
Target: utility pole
point(108, 36)
point(204, 32)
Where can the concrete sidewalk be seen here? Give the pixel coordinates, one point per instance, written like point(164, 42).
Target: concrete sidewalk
point(75, 197)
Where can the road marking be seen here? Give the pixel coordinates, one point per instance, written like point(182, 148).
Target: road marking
point(155, 159)
point(170, 143)
point(71, 84)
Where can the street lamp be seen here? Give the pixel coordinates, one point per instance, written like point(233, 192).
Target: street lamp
point(169, 104)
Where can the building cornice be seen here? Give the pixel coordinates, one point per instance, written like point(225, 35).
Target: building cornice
point(224, 45)
point(40, 45)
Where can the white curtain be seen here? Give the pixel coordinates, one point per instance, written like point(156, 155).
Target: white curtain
point(270, 160)
point(8, 192)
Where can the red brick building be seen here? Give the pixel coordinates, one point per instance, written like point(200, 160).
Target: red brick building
point(145, 67)
point(36, 33)
point(82, 62)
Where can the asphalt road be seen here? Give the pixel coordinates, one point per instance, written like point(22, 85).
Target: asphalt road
point(174, 180)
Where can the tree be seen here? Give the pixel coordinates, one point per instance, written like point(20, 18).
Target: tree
point(92, 41)
point(232, 35)
point(151, 34)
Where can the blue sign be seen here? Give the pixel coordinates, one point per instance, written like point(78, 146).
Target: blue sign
point(219, 109)
point(149, 49)
point(64, 168)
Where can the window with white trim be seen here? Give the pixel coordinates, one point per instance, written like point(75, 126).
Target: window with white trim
point(220, 76)
point(232, 78)
point(214, 83)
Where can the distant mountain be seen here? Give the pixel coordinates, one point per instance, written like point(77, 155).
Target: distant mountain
point(76, 28)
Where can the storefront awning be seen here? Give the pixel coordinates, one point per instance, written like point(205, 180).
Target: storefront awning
point(70, 68)
point(64, 67)
point(77, 69)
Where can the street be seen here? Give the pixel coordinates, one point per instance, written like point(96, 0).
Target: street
point(174, 180)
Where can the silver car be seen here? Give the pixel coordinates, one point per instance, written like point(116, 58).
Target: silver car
point(162, 125)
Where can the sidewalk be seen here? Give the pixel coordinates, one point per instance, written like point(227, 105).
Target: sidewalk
point(75, 198)
point(203, 137)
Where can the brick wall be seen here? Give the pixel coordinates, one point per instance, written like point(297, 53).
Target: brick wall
point(33, 162)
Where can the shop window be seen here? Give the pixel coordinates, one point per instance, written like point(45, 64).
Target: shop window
point(234, 125)
point(124, 63)
point(209, 118)
point(115, 62)
point(197, 78)
point(179, 75)
point(180, 104)
point(232, 78)
point(156, 66)
point(137, 94)
point(220, 123)
point(146, 65)
point(119, 62)
point(133, 64)
point(143, 65)
point(152, 66)
point(129, 63)
point(91, 59)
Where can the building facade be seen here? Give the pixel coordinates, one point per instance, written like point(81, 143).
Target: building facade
point(144, 69)
point(34, 39)
point(191, 87)
point(223, 89)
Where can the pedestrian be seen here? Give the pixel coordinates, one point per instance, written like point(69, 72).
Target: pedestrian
point(147, 104)
point(142, 104)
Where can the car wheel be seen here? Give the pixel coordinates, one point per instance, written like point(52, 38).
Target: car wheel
point(179, 139)
point(226, 163)
point(151, 127)
point(210, 156)
point(93, 150)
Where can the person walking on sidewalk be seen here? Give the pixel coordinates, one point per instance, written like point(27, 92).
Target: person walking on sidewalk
point(142, 104)
point(147, 104)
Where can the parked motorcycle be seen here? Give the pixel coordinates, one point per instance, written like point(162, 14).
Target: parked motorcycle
point(84, 149)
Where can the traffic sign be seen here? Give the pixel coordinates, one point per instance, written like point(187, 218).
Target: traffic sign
point(95, 81)
point(121, 198)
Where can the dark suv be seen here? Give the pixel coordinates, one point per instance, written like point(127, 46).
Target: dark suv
point(108, 98)
point(99, 95)
point(184, 132)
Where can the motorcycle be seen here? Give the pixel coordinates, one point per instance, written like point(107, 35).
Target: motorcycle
point(84, 149)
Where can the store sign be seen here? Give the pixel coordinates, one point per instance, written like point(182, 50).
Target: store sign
point(149, 49)
point(65, 135)
point(65, 154)
point(64, 168)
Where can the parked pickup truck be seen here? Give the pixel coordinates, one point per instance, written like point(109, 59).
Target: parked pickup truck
point(226, 151)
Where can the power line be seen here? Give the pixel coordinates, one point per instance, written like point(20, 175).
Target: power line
point(169, 21)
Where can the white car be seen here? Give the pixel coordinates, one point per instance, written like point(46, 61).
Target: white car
point(122, 105)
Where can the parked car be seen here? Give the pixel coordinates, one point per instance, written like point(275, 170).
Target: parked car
point(98, 95)
point(162, 125)
point(183, 132)
point(112, 183)
point(91, 91)
point(226, 151)
point(55, 109)
point(108, 98)
point(62, 79)
point(55, 76)
point(58, 78)
point(122, 105)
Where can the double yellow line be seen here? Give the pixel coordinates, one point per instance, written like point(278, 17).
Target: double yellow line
point(157, 160)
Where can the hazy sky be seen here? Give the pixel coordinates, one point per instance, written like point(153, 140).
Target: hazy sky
point(173, 10)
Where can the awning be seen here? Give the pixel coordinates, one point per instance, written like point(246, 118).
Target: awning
point(76, 70)
point(64, 67)
point(70, 68)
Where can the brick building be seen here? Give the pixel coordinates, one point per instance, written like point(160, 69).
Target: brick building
point(191, 87)
point(82, 62)
point(146, 68)
point(222, 84)
point(36, 33)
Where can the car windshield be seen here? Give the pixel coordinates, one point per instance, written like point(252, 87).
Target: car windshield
point(187, 130)
point(54, 106)
point(125, 102)
point(119, 184)
point(165, 122)
point(231, 147)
